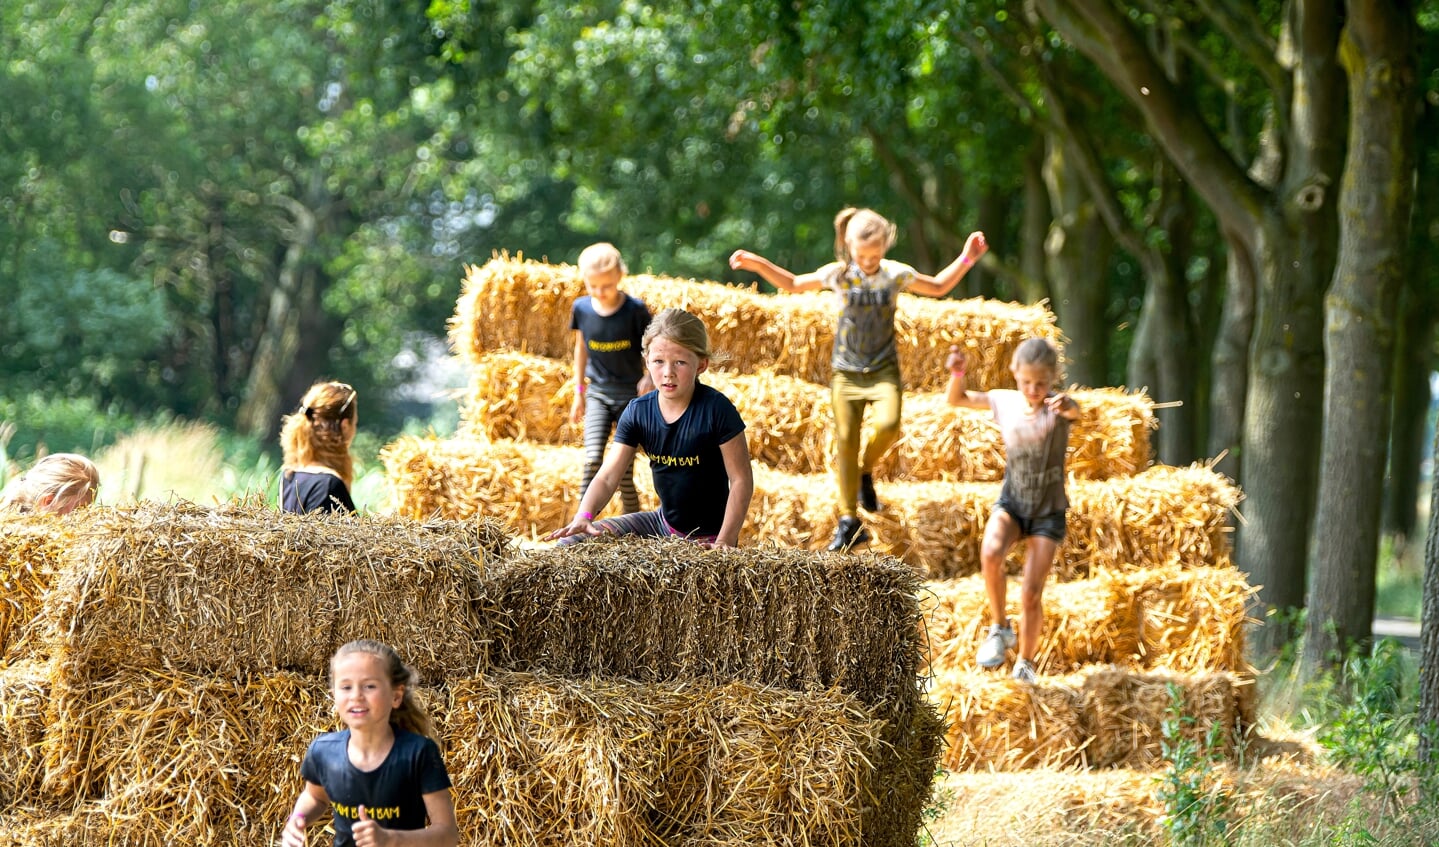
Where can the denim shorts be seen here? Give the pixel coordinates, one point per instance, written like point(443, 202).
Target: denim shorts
point(1051, 526)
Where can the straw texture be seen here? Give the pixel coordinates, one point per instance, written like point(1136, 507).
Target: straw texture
point(790, 424)
point(31, 545)
point(1103, 717)
point(1184, 620)
point(1164, 516)
point(512, 304)
point(244, 588)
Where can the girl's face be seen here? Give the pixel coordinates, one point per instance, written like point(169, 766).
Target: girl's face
point(604, 287)
point(673, 368)
point(866, 254)
point(364, 696)
point(1034, 382)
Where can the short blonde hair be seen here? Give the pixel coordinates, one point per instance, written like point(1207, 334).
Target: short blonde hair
point(63, 481)
point(601, 258)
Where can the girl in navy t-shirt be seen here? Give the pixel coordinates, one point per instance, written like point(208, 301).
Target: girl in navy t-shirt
point(693, 437)
point(383, 772)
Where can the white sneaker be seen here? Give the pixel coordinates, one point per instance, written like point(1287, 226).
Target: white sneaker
point(996, 645)
point(1024, 671)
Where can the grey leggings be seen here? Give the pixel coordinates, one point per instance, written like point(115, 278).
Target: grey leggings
point(602, 412)
point(646, 524)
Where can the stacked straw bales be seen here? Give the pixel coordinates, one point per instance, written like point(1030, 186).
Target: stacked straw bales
point(512, 304)
point(1161, 517)
point(521, 396)
point(176, 682)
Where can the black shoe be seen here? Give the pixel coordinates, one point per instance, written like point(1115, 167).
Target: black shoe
point(868, 500)
point(849, 533)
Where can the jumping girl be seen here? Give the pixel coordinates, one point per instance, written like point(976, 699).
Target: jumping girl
point(1034, 422)
point(865, 362)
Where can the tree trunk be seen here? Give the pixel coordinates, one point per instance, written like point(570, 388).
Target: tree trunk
point(1176, 358)
point(1429, 630)
point(1229, 363)
point(1413, 358)
point(1079, 248)
point(1036, 226)
point(275, 352)
point(1376, 200)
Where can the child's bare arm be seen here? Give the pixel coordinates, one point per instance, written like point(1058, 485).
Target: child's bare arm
point(785, 280)
point(741, 490)
point(956, 394)
point(597, 496)
point(311, 802)
point(944, 282)
point(1064, 406)
point(582, 360)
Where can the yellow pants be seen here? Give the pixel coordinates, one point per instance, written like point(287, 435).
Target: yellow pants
point(850, 393)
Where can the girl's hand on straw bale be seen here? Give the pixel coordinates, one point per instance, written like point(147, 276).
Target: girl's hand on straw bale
point(293, 834)
point(975, 246)
point(956, 360)
point(368, 833)
point(577, 526)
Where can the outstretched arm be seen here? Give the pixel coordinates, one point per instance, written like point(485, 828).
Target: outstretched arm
point(956, 394)
point(744, 260)
point(944, 282)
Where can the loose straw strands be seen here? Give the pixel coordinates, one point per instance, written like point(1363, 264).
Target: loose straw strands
point(553, 761)
point(1183, 620)
point(31, 546)
point(24, 696)
point(650, 609)
point(243, 589)
point(1106, 717)
point(790, 424)
point(523, 305)
point(530, 489)
point(1163, 516)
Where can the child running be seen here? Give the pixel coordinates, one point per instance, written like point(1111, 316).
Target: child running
point(694, 438)
point(383, 774)
point(865, 361)
point(318, 469)
point(1034, 422)
point(609, 328)
point(58, 484)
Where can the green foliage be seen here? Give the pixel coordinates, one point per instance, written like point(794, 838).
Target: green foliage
point(1371, 731)
point(1196, 803)
point(940, 799)
point(59, 424)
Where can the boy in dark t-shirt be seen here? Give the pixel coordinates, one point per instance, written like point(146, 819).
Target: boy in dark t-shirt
point(609, 327)
point(693, 436)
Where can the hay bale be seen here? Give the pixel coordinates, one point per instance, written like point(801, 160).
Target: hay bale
point(998, 724)
point(31, 546)
point(187, 756)
point(519, 305)
point(24, 696)
point(790, 423)
point(1192, 620)
point(530, 489)
point(544, 760)
point(648, 610)
point(1164, 516)
point(1182, 620)
point(1103, 717)
point(1125, 712)
point(243, 589)
point(1087, 622)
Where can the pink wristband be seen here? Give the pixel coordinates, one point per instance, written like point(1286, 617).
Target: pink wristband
point(581, 388)
point(965, 261)
point(958, 374)
point(589, 516)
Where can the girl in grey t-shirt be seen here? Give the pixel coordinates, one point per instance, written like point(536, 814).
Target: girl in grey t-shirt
point(1034, 422)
